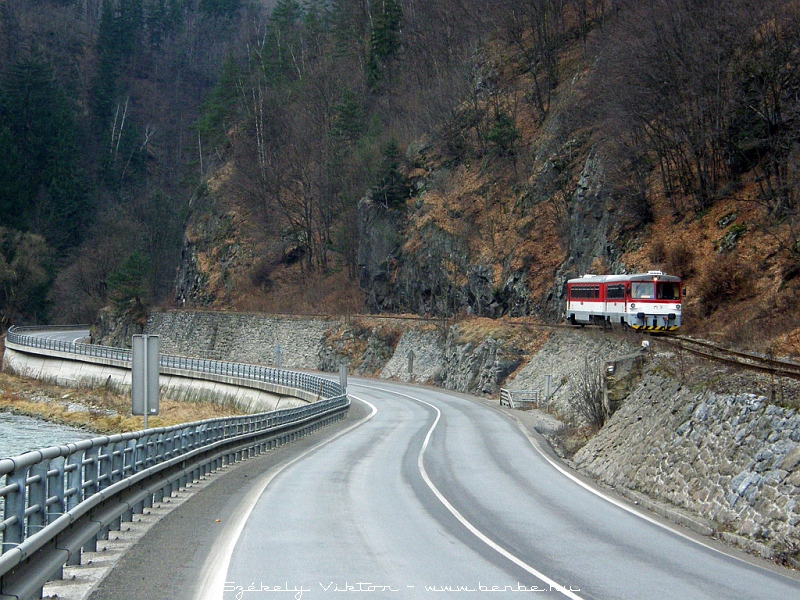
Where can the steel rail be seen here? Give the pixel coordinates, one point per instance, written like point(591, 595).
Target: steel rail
point(738, 358)
point(59, 501)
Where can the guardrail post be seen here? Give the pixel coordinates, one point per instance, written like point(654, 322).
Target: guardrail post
point(115, 525)
point(91, 474)
point(91, 471)
point(55, 487)
point(117, 462)
point(37, 496)
point(102, 535)
point(16, 503)
point(103, 469)
point(75, 558)
point(74, 480)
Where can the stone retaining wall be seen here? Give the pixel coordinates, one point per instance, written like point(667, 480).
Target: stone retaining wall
point(564, 355)
point(733, 459)
point(241, 337)
point(252, 338)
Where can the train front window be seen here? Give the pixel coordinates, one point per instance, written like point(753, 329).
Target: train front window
point(642, 289)
point(668, 291)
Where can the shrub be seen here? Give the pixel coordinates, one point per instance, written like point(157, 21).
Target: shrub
point(725, 279)
point(679, 260)
point(658, 252)
point(586, 397)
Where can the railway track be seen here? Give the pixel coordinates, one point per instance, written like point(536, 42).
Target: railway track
point(738, 358)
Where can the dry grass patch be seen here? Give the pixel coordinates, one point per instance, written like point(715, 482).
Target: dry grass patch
point(527, 334)
point(96, 410)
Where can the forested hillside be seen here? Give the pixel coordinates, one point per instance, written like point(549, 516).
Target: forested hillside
point(447, 157)
point(98, 146)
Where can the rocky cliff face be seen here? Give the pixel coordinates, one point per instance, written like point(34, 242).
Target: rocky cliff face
point(216, 255)
point(477, 367)
point(431, 273)
point(379, 248)
point(464, 245)
point(115, 327)
point(365, 349)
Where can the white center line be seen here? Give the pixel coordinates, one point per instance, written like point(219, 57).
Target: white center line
point(454, 511)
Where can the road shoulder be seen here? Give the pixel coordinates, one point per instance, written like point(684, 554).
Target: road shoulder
point(143, 562)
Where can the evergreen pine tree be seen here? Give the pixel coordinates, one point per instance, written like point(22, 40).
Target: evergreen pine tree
point(128, 284)
point(219, 108)
point(41, 138)
point(385, 38)
point(391, 188)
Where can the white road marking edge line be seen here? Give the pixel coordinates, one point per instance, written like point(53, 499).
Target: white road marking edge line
point(624, 506)
point(211, 586)
point(454, 511)
point(618, 503)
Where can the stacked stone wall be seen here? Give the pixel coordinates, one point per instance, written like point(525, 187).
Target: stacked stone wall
point(241, 337)
point(565, 355)
point(733, 459)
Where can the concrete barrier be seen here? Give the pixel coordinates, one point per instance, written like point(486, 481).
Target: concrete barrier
point(70, 370)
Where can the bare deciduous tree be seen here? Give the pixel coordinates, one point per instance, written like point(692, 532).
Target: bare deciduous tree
point(586, 393)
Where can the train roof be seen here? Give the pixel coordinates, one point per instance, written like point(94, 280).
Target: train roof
point(649, 276)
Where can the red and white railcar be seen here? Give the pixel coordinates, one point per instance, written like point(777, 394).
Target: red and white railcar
point(649, 300)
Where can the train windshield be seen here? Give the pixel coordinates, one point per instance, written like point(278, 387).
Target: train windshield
point(668, 290)
point(642, 289)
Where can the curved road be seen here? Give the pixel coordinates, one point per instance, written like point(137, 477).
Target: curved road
point(434, 494)
point(70, 336)
point(421, 494)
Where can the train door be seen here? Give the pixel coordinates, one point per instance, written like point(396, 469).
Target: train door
point(615, 301)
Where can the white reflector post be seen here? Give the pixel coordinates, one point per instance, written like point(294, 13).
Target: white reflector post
point(144, 376)
point(343, 376)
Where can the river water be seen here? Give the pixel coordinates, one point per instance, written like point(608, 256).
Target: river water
point(20, 434)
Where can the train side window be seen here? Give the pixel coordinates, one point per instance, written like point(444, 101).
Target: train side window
point(585, 292)
point(615, 292)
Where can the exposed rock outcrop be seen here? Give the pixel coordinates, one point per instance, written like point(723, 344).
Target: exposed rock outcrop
point(477, 368)
point(379, 248)
point(365, 349)
point(115, 327)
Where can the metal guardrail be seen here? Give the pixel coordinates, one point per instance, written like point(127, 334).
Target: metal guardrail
point(60, 500)
point(519, 399)
point(319, 385)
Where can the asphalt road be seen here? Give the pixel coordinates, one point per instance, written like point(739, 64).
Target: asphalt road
point(422, 494)
point(71, 336)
